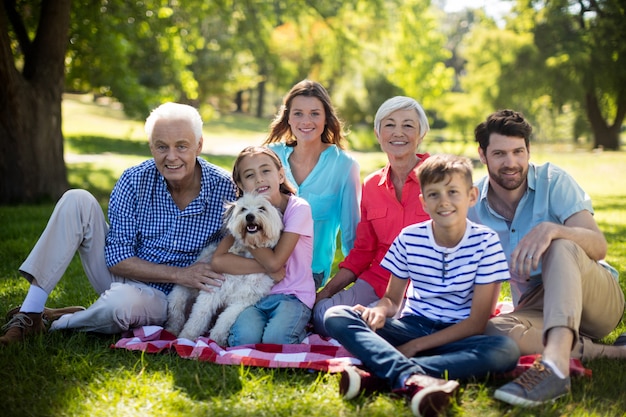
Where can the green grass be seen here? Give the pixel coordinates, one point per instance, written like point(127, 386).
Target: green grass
point(76, 374)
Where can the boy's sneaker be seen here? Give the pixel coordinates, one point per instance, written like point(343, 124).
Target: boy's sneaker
point(538, 385)
point(21, 326)
point(356, 381)
point(428, 396)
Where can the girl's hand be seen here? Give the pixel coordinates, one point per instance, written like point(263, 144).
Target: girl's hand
point(278, 275)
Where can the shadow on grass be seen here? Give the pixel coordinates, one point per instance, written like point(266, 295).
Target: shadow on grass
point(90, 175)
point(98, 181)
point(610, 203)
point(97, 145)
point(237, 122)
point(614, 228)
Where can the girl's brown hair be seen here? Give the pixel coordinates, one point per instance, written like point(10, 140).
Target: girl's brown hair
point(333, 130)
point(286, 187)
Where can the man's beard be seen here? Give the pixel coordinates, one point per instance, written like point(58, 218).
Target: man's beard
point(508, 184)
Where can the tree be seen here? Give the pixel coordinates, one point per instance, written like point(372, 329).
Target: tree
point(418, 54)
point(200, 52)
point(582, 46)
point(31, 88)
point(499, 63)
point(139, 52)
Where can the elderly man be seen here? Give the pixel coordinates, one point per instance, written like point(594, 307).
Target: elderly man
point(564, 295)
point(162, 212)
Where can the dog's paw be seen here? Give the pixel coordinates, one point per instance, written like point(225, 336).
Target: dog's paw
point(219, 337)
point(171, 330)
point(173, 326)
point(188, 335)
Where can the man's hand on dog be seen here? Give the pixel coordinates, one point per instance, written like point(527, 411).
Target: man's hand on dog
point(201, 276)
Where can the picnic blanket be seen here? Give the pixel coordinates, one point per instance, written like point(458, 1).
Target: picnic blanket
point(315, 352)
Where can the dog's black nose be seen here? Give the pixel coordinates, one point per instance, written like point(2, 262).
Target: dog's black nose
point(250, 217)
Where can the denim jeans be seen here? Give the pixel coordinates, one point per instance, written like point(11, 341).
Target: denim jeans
point(474, 356)
point(276, 318)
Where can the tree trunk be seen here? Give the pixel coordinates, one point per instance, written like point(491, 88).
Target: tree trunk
point(32, 167)
point(260, 99)
point(239, 102)
point(605, 136)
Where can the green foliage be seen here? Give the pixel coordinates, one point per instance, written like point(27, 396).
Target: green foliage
point(416, 61)
point(578, 59)
point(494, 76)
point(559, 62)
point(115, 51)
point(143, 53)
point(552, 58)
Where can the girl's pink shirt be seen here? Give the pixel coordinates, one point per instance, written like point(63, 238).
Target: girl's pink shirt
point(298, 280)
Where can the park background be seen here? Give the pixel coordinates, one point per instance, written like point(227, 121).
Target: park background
point(80, 123)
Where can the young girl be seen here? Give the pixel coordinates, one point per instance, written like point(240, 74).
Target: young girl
point(280, 317)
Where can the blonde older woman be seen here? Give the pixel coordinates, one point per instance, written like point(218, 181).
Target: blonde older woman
point(390, 201)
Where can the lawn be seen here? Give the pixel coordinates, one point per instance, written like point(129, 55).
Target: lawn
point(75, 374)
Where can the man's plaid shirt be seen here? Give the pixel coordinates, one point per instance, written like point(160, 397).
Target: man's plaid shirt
point(146, 223)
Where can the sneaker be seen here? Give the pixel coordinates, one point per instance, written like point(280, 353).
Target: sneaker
point(21, 326)
point(538, 385)
point(49, 314)
point(428, 396)
point(356, 381)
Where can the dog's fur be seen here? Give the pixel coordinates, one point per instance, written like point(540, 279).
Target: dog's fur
point(254, 222)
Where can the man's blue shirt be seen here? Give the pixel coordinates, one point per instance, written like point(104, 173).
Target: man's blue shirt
point(552, 195)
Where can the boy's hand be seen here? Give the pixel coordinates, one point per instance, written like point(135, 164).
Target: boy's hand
point(374, 317)
point(409, 349)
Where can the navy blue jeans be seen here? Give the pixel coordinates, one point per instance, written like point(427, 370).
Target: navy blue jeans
point(275, 318)
point(475, 356)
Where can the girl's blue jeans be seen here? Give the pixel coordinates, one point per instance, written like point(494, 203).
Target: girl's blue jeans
point(276, 318)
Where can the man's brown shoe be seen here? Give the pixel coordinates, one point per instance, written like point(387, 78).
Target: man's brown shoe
point(21, 326)
point(49, 314)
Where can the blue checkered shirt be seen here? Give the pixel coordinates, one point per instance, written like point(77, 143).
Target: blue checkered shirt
point(146, 223)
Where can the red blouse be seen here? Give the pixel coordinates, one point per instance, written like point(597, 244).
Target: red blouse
point(382, 219)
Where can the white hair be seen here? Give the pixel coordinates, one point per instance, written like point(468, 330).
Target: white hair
point(402, 103)
point(175, 111)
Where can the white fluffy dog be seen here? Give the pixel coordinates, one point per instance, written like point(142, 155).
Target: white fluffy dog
point(254, 222)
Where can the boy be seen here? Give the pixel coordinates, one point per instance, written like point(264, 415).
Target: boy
point(454, 268)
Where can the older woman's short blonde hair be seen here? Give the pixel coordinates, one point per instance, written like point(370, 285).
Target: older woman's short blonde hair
point(175, 111)
point(402, 103)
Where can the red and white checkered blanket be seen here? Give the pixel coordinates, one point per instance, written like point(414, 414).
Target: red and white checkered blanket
point(315, 352)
